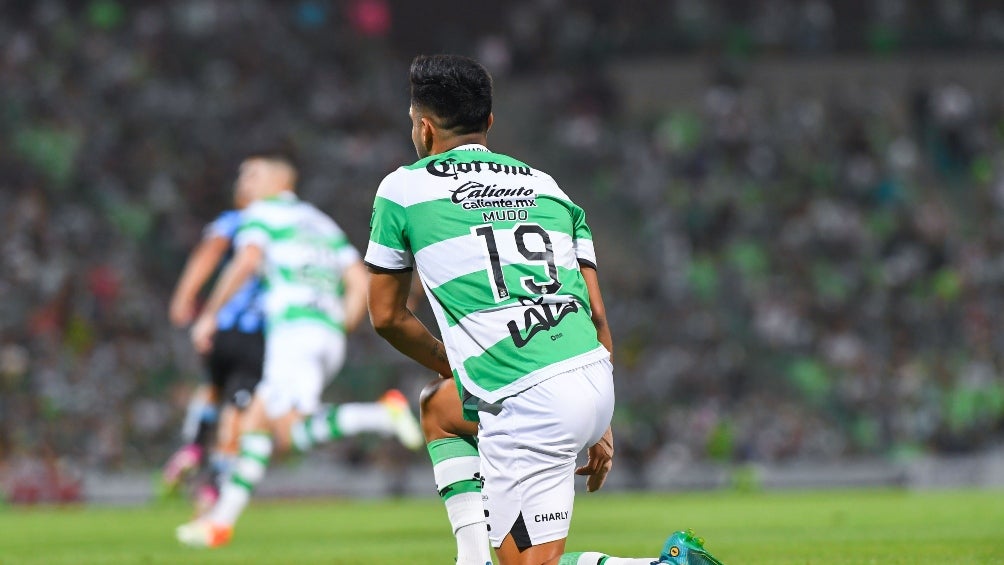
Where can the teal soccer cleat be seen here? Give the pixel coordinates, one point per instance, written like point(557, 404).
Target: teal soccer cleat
point(684, 548)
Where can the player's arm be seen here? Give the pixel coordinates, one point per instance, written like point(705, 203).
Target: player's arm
point(416, 295)
point(247, 262)
point(356, 280)
point(583, 243)
point(202, 261)
point(389, 313)
point(601, 454)
point(599, 312)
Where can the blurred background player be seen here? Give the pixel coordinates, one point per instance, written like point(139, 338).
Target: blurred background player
point(315, 293)
point(234, 361)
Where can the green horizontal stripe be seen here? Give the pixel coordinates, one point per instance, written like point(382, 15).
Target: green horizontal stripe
point(302, 313)
point(460, 487)
point(241, 482)
point(290, 233)
point(504, 363)
point(388, 223)
point(472, 292)
point(259, 458)
point(312, 276)
point(274, 233)
point(452, 447)
point(337, 242)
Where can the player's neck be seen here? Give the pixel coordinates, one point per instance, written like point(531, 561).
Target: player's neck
point(452, 142)
point(282, 194)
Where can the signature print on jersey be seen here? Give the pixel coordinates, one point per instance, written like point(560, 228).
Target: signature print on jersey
point(538, 317)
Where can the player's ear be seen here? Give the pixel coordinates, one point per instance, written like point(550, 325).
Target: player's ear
point(491, 120)
point(428, 134)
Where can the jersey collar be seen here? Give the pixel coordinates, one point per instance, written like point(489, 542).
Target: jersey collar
point(471, 147)
point(284, 196)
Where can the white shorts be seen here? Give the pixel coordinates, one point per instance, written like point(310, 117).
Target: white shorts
point(528, 452)
point(300, 359)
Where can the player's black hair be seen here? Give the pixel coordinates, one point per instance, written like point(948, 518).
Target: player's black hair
point(457, 89)
point(274, 155)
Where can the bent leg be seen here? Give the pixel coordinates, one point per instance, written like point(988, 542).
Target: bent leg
point(441, 412)
point(457, 469)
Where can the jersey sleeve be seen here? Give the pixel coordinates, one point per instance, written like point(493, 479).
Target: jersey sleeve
point(582, 237)
point(389, 249)
point(254, 229)
point(225, 225)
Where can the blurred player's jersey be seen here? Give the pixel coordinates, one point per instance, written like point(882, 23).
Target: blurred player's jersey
point(306, 254)
point(243, 312)
point(497, 245)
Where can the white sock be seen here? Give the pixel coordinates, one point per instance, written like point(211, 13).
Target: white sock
point(359, 417)
point(334, 422)
point(467, 516)
point(233, 499)
point(457, 471)
point(256, 449)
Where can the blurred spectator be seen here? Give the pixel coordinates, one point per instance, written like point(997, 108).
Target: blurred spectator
point(790, 274)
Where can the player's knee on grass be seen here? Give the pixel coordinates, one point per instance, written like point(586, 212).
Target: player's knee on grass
point(441, 412)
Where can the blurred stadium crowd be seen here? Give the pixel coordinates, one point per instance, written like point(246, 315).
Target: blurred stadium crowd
point(814, 276)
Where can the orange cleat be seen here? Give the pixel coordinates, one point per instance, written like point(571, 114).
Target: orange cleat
point(203, 533)
point(406, 426)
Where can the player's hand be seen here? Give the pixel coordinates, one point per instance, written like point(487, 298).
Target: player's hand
point(181, 312)
point(601, 459)
point(202, 333)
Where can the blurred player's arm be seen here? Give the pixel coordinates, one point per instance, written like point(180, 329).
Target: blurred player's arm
point(388, 306)
point(601, 454)
point(247, 262)
point(356, 280)
point(202, 261)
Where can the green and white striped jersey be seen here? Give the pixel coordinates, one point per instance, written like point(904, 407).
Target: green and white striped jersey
point(305, 255)
point(497, 245)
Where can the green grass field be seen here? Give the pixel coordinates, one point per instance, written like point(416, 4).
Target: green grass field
point(831, 528)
